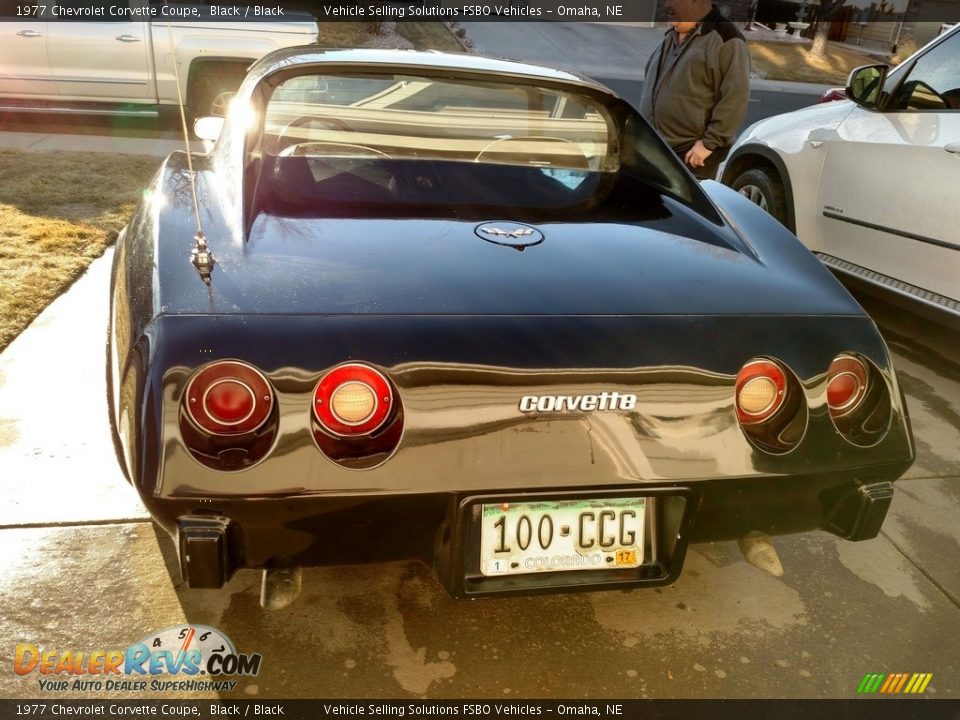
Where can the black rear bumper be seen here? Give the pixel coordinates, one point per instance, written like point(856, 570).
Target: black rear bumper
point(216, 538)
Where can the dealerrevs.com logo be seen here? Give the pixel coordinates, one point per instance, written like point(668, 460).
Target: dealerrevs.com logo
point(178, 658)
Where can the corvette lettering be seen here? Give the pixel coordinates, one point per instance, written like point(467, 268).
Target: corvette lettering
point(582, 403)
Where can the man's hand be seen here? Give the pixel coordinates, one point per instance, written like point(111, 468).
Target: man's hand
point(697, 155)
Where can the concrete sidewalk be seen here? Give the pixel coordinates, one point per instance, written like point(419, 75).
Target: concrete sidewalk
point(58, 461)
point(67, 142)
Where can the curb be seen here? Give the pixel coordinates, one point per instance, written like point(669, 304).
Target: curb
point(789, 86)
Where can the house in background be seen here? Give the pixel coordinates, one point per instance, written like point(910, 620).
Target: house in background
point(883, 25)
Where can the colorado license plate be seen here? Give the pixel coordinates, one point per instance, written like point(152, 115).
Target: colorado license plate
point(558, 535)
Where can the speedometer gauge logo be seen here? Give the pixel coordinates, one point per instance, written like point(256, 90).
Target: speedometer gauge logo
point(184, 657)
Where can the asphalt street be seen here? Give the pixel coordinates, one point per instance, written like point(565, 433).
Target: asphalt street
point(84, 569)
point(44, 131)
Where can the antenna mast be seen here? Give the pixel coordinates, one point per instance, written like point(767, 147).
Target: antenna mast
point(200, 256)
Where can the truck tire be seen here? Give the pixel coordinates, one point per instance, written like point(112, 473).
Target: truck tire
point(208, 84)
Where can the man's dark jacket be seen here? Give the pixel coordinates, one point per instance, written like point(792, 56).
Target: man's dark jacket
point(704, 94)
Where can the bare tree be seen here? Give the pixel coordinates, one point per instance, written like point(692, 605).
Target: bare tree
point(828, 8)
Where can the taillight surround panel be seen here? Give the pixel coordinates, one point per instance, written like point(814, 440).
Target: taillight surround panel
point(229, 414)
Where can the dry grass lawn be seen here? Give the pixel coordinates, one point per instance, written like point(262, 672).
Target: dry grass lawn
point(58, 212)
point(343, 34)
point(792, 61)
point(429, 36)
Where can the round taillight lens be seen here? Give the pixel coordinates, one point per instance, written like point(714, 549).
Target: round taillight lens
point(229, 398)
point(352, 400)
point(760, 391)
point(229, 401)
point(846, 385)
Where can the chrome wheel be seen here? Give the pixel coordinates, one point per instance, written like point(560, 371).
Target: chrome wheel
point(754, 195)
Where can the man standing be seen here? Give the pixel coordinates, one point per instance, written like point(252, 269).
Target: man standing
point(697, 84)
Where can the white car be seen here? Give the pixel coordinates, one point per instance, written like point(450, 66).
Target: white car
point(121, 62)
point(870, 184)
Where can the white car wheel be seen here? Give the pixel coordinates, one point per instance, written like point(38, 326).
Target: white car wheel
point(754, 194)
point(763, 187)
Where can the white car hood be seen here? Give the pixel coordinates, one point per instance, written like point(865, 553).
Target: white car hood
point(790, 131)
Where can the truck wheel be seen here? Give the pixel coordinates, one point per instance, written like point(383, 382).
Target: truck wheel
point(764, 188)
point(210, 87)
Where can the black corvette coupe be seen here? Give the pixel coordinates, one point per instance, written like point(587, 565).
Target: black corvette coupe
point(475, 311)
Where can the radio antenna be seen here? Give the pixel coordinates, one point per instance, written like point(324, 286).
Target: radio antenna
point(200, 256)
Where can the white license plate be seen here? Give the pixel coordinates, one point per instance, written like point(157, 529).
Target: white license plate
point(558, 535)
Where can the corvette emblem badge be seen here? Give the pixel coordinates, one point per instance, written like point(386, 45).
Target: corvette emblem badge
point(509, 234)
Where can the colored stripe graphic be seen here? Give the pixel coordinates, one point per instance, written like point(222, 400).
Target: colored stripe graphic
point(870, 683)
point(918, 683)
point(895, 683)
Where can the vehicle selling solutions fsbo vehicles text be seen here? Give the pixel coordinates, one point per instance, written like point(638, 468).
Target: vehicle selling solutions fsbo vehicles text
point(467, 11)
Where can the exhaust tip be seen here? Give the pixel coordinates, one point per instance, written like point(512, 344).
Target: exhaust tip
point(760, 552)
point(280, 587)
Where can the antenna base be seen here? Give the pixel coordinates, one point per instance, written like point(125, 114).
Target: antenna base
point(202, 258)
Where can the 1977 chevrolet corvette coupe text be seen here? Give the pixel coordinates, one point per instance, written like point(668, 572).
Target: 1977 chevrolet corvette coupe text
point(476, 312)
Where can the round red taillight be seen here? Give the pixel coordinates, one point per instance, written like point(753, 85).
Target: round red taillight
point(229, 402)
point(229, 398)
point(352, 400)
point(761, 388)
point(846, 385)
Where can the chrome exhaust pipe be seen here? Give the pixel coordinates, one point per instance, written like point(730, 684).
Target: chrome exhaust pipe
point(760, 552)
point(280, 587)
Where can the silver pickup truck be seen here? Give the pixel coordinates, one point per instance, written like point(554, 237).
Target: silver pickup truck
point(121, 64)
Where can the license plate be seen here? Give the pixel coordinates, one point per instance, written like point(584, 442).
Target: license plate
point(559, 535)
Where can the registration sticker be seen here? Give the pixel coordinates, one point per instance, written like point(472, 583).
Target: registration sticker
point(559, 535)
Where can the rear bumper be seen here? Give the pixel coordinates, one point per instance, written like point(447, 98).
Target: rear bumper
point(216, 538)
